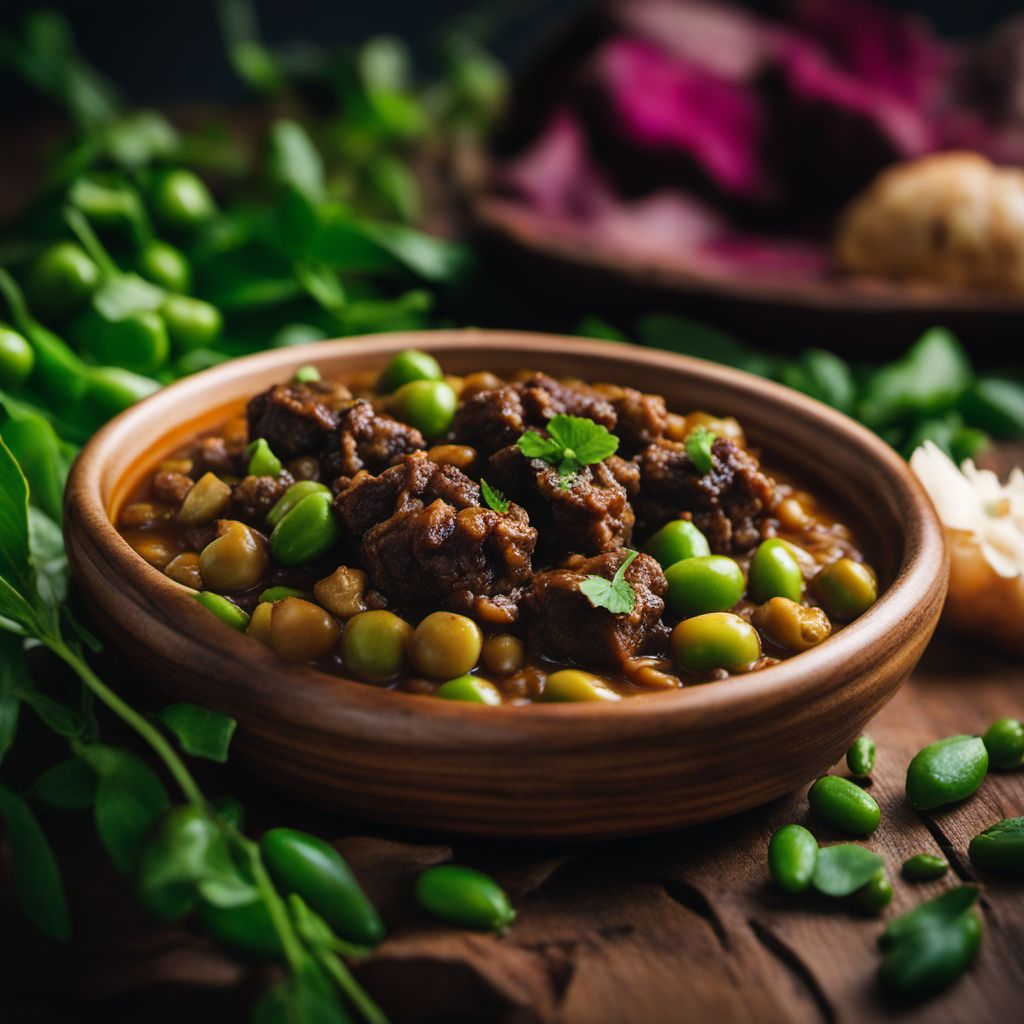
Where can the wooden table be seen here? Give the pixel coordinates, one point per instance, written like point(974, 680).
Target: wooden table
point(678, 927)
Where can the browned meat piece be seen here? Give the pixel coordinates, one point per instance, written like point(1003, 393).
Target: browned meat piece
point(641, 418)
point(544, 397)
point(626, 472)
point(587, 513)
point(729, 504)
point(293, 418)
point(172, 487)
point(212, 456)
point(489, 420)
point(425, 539)
point(367, 439)
point(253, 496)
point(473, 559)
point(414, 482)
point(564, 625)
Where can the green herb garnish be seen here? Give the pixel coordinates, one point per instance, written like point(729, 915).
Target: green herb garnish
point(698, 447)
point(262, 461)
point(494, 498)
point(616, 594)
point(307, 374)
point(572, 443)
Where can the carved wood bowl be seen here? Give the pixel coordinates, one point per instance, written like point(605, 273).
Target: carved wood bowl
point(647, 763)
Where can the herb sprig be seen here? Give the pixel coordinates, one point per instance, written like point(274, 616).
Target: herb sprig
point(616, 595)
point(572, 443)
point(698, 447)
point(494, 498)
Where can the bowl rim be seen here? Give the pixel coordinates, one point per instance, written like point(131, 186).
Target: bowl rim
point(923, 558)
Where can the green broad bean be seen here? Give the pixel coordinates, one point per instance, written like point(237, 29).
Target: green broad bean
point(16, 358)
point(427, 405)
point(407, 366)
point(291, 497)
point(139, 342)
point(844, 805)
point(775, 572)
point(704, 583)
point(946, 772)
point(877, 894)
point(306, 531)
point(1004, 741)
point(1000, 847)
point(845, 589)
point(165, 265)
point(262, 461)
point(373, 644)
point(469, 688)
point(676, 541)
point(61, 280)
point(464, 897)
point(111, 389)
point(191, 323)
point(181, 202)
point(572, 685)
point(792, 853)
point(860, 758)
point(315, 871)
point(227, 611)
point(717, 640)
point(272, 594)
point(923, 867)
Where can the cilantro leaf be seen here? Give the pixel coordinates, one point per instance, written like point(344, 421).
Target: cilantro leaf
point(494, 498)
point(616, 594)
point(573, 442)
point(698, 447)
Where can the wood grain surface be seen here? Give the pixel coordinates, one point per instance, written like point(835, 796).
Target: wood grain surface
point(544, 771)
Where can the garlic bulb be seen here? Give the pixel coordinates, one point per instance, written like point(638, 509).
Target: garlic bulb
point(984, 520)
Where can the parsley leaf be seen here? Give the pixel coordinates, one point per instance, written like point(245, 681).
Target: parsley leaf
point(572, 443)
point(698, 447)
point(494, 498)
point(615, 594)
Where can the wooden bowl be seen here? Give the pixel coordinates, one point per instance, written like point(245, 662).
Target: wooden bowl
point(584, 770)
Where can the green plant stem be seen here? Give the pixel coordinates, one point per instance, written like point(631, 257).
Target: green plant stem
point(355, 993)
point(130, 717)
point(293, 950)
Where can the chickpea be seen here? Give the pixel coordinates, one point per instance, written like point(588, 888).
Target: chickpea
point(296, 629)
point(144, 513)
point(182, 465)
point(792, 625)
point(846, 588)
point(373, 644)
point(654, 673)
point(454, 382)
point(341, 593)
point(675, 427)
point(722, 426)
point(478, 382)
point(184, 569)
point(154, 550)
point(459, 455)
point(791, 514)
point(236, 560)
point(445, 645)
point(503, 654)
point(207, 500)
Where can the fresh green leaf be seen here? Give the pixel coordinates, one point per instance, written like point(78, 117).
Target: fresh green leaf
point(698, 448)
point(844, 868)
point(824, 376)
point(433, 259)
point(306, 996)
point(56, 716)
point(322, 285)
point(129, 800)
point(251, 60)
point(37, 881)
point(19, 598)
point(582, 439)
point(595, 327)
point(494, 498)
point(295, 162)
point(46, 541)
point(139, 138)
point(616, 595)
point(68, 786)
point(929, 379)
point(533, 446)
point(396, 184)
point(385, 64)
point(693, 338)
point(201, 732)
point(13, 682)
point(995, 405)
point(929, 916)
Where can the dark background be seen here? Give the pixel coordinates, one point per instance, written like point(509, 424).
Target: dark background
point(171, 51)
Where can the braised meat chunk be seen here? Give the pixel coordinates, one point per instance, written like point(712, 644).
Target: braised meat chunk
point(367, 439)
point(544, 397)
point(296, 419)
point(586, 513)
point(426, 540)
point(641, 418)
point(254, 496)
point(729, 504)
point(563, 624)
